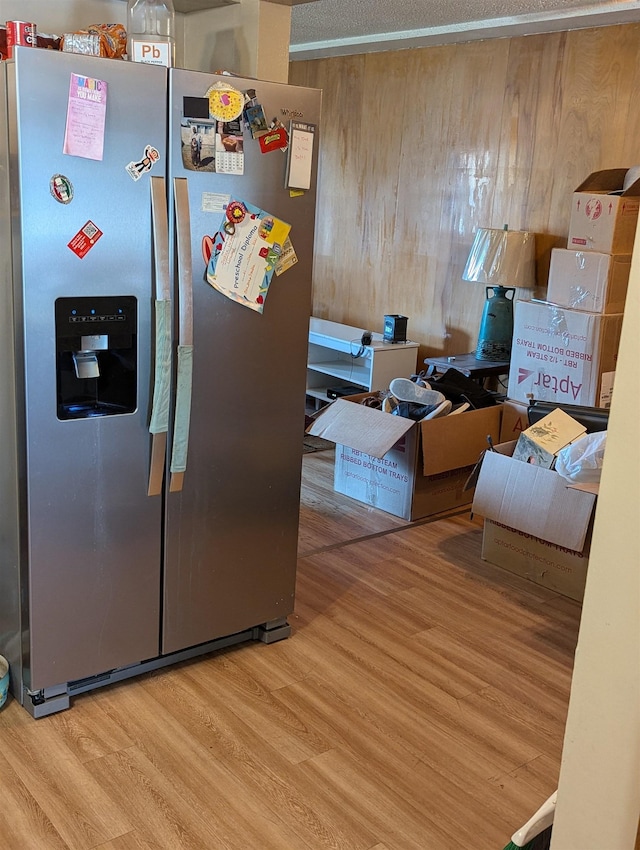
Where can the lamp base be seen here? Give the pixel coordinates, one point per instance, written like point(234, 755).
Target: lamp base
point(496, 327)
point(489, 350)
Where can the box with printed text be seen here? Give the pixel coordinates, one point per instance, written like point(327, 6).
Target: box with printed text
point(514, 419)
point(604, 214)
point(406, 468)
point(548, 564)
point(563, 355)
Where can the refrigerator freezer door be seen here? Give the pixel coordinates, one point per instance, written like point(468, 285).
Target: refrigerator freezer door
point(83, 254)
point(231, 533)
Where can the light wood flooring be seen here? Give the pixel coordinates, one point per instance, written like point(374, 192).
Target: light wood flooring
point(419, 705)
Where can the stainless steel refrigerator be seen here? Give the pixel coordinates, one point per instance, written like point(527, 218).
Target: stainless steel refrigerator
point(151, 422)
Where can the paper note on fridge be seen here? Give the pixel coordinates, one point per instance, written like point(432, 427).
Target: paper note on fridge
point(301, 137)
point(287, 259)
point(245, 251)
point(86, 115)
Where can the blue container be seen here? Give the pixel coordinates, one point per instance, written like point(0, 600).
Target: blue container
point(496, 327)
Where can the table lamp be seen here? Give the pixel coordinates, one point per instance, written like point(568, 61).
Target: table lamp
point(503, 260)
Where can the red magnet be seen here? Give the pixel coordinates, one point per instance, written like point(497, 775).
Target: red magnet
point(85, 239)
point(236, 212)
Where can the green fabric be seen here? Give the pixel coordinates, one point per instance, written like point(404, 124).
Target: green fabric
point(162, 382)
point(183, 409)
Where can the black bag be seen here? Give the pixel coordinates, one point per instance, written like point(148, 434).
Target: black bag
point(412, 410)
point(457, 387)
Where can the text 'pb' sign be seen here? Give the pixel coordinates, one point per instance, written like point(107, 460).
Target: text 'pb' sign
point(152, 52)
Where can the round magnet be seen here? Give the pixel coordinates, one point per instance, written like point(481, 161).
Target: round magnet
point(236, 212)
point(225, 102)
point(61, 188)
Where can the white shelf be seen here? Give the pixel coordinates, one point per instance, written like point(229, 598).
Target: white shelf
point(334, 350)
point(343, 370)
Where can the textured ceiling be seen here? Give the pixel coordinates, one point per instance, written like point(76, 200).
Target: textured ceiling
point(338, 27)
point(198, 5)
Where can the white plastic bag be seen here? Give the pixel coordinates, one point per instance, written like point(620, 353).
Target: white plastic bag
point(581, 462)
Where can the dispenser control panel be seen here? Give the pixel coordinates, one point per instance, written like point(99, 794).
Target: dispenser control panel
point(95, 318)
point(106, 314)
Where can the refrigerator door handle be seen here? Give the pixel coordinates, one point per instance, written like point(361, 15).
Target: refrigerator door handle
point(159, 421)
point(185, 336)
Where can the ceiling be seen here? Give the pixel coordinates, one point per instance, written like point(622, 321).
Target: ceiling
point(339, 27)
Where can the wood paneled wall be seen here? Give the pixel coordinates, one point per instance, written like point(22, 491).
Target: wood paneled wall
point(420, 147)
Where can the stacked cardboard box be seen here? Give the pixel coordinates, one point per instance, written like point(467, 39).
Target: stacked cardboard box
point(564, 351)
point(563, 355)
point(565, 348)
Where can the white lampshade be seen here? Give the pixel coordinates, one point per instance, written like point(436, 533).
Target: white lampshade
point(501, 258)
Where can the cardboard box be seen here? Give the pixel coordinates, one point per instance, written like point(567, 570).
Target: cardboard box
point(589, 280)
point(563, 355)
point(600, 220)
point(514, 419)
point(540, 443)
point(529, 498)
point(409, 469)
point(544, 563)
point(536, 524)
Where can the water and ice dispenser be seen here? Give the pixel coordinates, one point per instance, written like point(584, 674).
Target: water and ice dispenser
point(96, 356)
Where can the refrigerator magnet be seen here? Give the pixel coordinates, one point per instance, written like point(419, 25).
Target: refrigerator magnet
point(300, 155)
point(256, 120)
point(61, 188)
point(287, 259)
point(276, 139)
point(135, 170)
point(225, 102)
point(85, 239)
point(235, 212)
point(250, 98)
point(195, 107)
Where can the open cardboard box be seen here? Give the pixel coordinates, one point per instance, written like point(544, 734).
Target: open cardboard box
point(409, 469)
point(604, 214)
point(537, 524)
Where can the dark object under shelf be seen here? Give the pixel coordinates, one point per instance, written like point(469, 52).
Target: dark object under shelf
point(339, 392)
